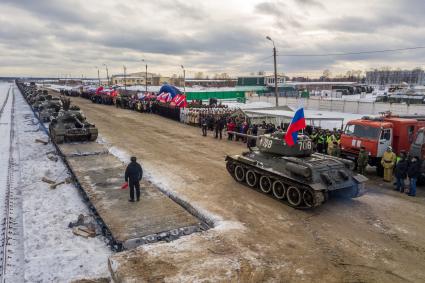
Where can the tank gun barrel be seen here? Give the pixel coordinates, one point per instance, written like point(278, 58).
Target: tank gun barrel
point(78, 121)
point(244, 135)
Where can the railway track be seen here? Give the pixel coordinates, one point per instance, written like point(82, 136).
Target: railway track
point(8, 194)
point(5, 102)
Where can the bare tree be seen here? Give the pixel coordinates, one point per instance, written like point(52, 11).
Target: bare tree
point(199, 75)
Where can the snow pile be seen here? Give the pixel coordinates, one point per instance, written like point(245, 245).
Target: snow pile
point(52, 252)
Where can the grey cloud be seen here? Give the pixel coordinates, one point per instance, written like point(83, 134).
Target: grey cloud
point(284, 16)
point(367, 25)
point(309, 3)
point(69, 12)
point(65, 36)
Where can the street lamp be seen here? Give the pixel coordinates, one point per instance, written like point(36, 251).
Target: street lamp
point(275, 71)
point(146, 75)
point(107, 72)
point(184, 79)
point(98, 74)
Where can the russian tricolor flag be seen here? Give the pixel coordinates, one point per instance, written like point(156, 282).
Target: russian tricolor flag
point(297, 124)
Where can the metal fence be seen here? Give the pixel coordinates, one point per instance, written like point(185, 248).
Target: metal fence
point(345, 106)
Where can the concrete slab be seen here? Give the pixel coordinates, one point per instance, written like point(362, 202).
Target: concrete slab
point(89, 148)
point(156, 217)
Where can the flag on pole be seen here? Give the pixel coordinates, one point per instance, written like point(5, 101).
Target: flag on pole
point(297, 124)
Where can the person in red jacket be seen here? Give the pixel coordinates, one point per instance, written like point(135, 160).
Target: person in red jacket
point(230, 128)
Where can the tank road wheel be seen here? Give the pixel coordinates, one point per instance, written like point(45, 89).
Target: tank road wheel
point(279, 190)
point(294, 196)
point(239, 173)
point(251, 178)
point(265, 184)
point(308, 198)
point(230, 167)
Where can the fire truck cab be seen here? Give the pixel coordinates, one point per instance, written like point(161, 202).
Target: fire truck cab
point(376, 134)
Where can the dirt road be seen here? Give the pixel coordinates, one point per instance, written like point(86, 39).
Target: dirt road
point(379, 237)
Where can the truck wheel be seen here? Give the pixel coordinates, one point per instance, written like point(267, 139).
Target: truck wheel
point(265, 184)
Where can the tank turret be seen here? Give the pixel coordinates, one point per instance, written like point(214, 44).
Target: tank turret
point(71, 125)
point(295, 174)
point(49, 108)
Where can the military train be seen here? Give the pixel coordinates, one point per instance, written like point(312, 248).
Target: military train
point(67, 123)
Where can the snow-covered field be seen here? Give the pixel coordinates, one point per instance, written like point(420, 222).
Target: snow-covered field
point(50, 251)
point(369, 97)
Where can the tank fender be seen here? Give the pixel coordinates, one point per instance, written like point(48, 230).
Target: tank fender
point(298, 169)
point(349, 164)
point(360, 178)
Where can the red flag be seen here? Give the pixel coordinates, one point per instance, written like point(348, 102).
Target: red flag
point(124, 186)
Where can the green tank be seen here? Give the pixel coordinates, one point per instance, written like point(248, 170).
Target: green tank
point(296, 175)
point(49, 108)
point(37, 99)
point(70, 125)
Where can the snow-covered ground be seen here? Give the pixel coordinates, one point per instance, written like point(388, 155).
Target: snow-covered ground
point(52, 253)
point(369, 97)
point(249, 105)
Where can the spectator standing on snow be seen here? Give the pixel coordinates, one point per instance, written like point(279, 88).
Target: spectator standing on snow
point(362, 160)
point(133, 175)
point(204, 125)
point(388, 162)
point(219, 125)
point(401, 171)
point(230, 128)
point(413, 173)
point(336, 150)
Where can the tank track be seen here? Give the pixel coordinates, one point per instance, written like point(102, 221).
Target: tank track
point(288, 191)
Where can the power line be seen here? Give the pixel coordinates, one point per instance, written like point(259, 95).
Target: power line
point(352, 53)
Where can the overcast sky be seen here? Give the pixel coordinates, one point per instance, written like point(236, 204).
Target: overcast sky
point(52, 37)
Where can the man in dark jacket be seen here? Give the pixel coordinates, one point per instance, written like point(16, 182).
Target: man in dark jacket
point(133, 175)
point(204, 125)
point(413, 173)
point(401, 171)
point(219, 126)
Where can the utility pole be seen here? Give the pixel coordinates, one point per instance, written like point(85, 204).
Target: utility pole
point(98, 74)
point(146, 76)
point(184, 79)
point(107, 73)
point(275, 72)
point(125, 79)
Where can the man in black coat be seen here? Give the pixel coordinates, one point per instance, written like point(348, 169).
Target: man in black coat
point(133, 175)
point(413, 173)
point(219, 126)
point(401, 171)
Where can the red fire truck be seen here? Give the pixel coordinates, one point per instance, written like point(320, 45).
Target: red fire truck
point(377, 133)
